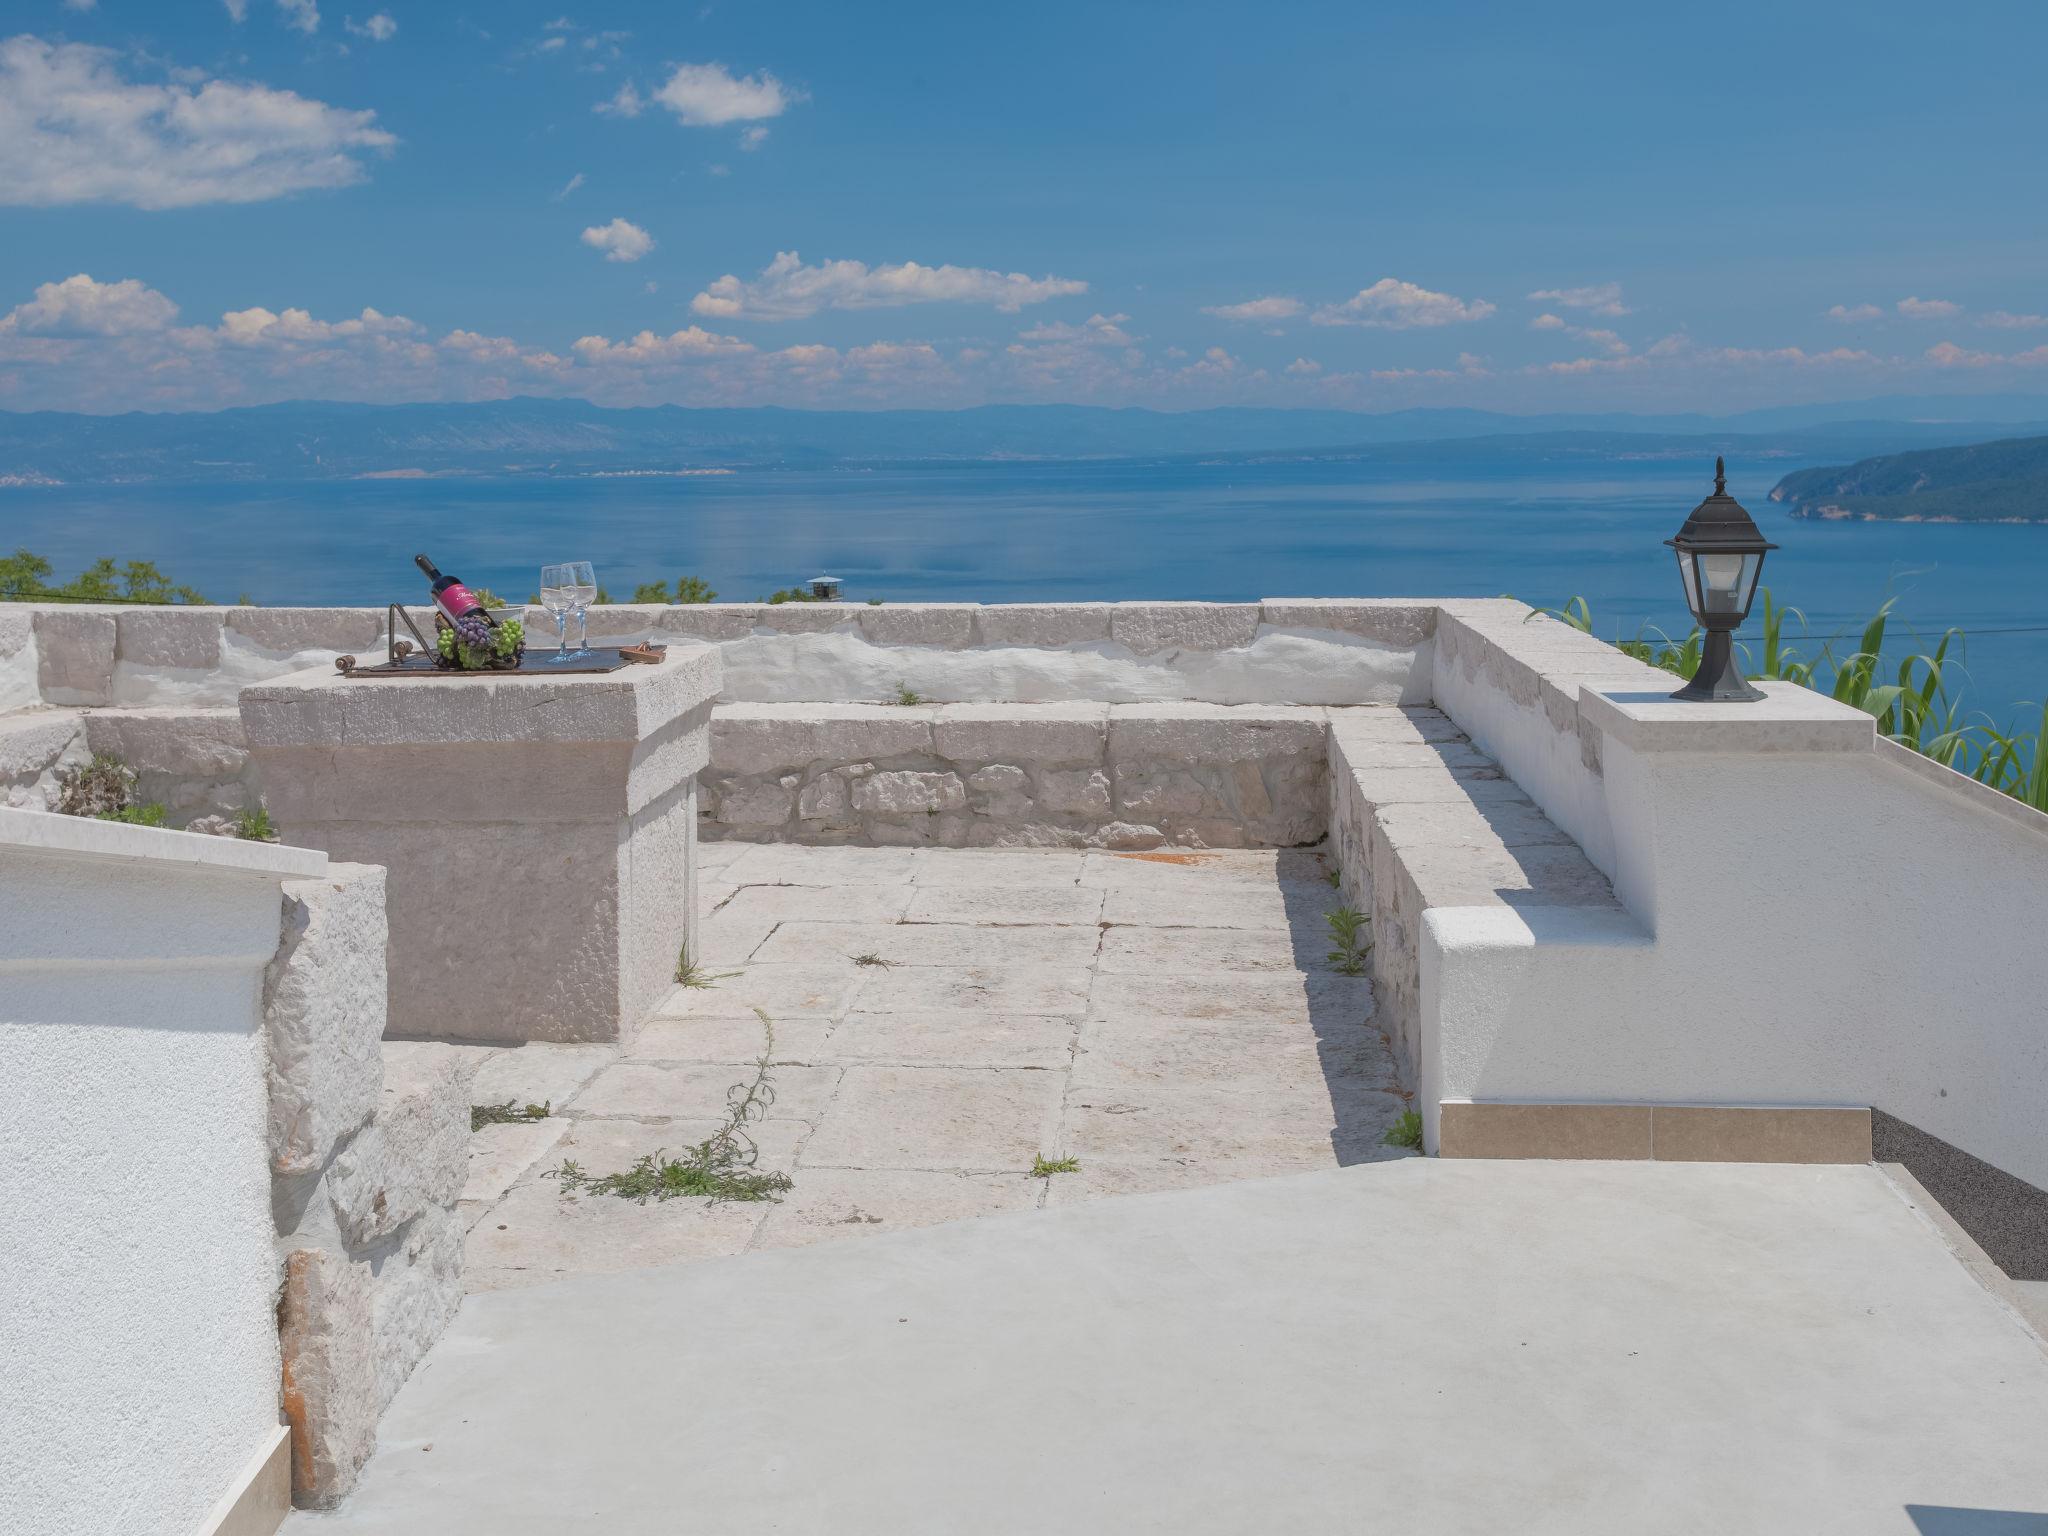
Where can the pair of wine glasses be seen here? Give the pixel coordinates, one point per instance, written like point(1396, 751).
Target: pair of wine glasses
point(564, 590)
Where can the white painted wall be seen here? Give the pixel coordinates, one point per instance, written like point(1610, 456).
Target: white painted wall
point(137, 1278)
point(1811, 918)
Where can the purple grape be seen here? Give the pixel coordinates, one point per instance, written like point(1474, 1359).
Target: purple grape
point(473, 633)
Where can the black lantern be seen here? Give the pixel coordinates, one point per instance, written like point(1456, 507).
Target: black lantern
point(1720, 556)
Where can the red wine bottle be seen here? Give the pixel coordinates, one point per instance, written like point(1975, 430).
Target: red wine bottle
point(451, 596)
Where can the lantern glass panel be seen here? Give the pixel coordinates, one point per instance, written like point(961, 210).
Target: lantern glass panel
point(1692, 586)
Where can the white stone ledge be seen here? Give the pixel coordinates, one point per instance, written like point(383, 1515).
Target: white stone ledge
point(1788, 718)
point(1960, 786)
point(37, 832)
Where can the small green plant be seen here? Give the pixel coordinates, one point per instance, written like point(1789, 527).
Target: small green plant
point(793, 595)
point(1335, 877)
point(906, 695)
point(1043, 1167)
point(1405, 1132)
point(256, 826)
point(488, 598)
point(690, 974)
point(651, 592)
point(871, 958)
point(150, 815)
point(98, 788)
point(1350, 946)
point(721, 1167)
point(694, 589)
point(874, 602)
point(507, 1113)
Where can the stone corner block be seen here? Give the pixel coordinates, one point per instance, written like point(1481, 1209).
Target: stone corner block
point(1385, 620)
point(75, 655)
point(414, 1154)
point(327, 1340)
point(323, 1015)
point(1149, 627)
point(946, 624)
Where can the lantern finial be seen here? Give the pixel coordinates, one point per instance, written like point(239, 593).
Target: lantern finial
point(1720, 476)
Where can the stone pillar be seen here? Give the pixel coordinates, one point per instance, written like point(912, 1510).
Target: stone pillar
point(538, 832)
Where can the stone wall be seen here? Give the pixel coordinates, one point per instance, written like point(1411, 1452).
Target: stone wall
point(369, 1146)
point(1018, 775)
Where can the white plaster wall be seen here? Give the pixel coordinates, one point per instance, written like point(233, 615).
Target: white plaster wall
point(137, 1278)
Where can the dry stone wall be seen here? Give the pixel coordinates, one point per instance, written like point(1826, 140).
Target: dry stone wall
point(1015, 775)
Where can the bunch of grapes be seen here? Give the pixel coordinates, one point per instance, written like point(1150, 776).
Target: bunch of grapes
point(473, 633)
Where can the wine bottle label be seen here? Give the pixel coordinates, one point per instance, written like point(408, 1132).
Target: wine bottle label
point(455, 600)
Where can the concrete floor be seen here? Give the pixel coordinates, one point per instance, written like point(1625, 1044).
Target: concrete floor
point(1418, 1347)
point(1167, 1019)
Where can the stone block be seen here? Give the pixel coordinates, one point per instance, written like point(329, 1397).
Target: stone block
point(171, 743)
point(414, 1294)
point(764, 804)
point(1082, 792)
point(908, 793)
point(327, 1340)
point(184, 639)
point(1000, 790)
point(617, 623)
point(947, 624)
point(75, 655)
point(35, 745)
point(766, 738)
point(1154, 793)
point(290, 631)
point(1389, 621)
point(323, 1015)
point(707, 621)
point(1043, 624)
point(1213, 733)
point(1038, 733)
point(1150, 627)
point(801, 618)
point(908, 1117)
point(414, 1154)
point(825, 801)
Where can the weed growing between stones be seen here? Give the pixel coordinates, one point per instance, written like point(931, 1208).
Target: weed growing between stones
point(150, 815)
point(691, 974)
point(507, 1113)
point(256, 826)
point(1043, 1167)
point(1405, 1132)
point(871, 958)
point(1335, 877)
point(907, 696)
point(721, 1167)
point(1350, 946)
point(101, 788)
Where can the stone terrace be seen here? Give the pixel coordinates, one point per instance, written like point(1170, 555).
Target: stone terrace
point(1166, 1018)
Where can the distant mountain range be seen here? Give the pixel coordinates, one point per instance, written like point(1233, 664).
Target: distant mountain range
point(301, 441)
point(2005, 481)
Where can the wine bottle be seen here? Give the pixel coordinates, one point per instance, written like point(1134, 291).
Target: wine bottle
point(451, 596)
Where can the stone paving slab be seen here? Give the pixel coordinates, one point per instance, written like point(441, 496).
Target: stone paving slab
point(941, 1018)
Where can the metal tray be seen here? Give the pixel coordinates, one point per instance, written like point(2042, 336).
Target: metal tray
point(600, 658)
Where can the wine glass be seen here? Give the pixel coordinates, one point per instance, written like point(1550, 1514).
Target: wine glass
point(582, 586)
point(555, 596)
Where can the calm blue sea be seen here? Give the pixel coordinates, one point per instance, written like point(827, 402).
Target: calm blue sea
point(1016, 532)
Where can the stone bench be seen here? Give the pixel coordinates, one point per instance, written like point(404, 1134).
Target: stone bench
point(1420, 819)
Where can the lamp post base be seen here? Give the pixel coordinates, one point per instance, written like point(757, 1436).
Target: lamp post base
point(1718, 680)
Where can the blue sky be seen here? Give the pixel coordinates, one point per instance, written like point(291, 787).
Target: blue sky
point(1561, 207)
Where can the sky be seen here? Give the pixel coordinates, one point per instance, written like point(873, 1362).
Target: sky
point(1571, 206)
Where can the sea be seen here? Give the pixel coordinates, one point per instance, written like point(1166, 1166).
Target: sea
point(1041, 531)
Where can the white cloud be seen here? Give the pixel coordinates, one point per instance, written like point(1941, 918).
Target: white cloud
point(789, 290)
point(238, 10)
point(1948, 355)
point(1393, 305)
point(1303, 367)
point(1547, 323)
point(2006, 320)
point(379, 28)
point(73, 130)
point(1096, 331)
point(691, 343)
point(619, 240)
point(258, 327)
point(1272, 307)
point(1928, 309)
point(1599, 298)
point(624, 102)
point(568, 186)
point(1854, 314)
point(79, 306)
point(303, 14)
point(753, 138)
point(709, 95)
